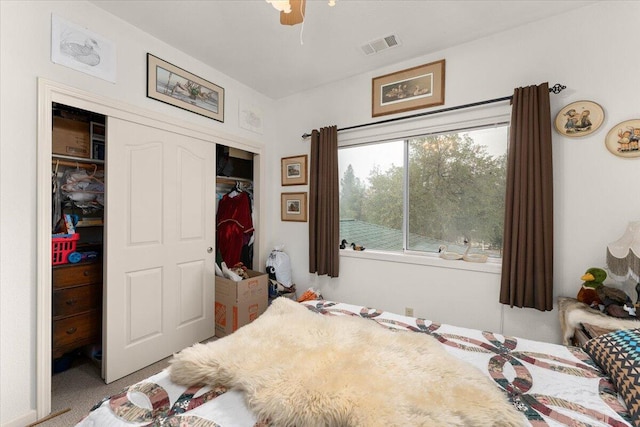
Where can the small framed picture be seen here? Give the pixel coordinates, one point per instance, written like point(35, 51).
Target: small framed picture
point(623, 139)
point(294, 207)
point(294, 170)
point(410, 89)
point(579, 118)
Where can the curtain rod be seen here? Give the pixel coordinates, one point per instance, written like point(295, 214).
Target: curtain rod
point(557, 88)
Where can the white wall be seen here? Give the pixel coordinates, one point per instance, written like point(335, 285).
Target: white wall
point(589, 50)
point(592, 52)
point(25, 29)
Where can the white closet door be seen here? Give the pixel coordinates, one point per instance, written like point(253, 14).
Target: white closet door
point(160, 226)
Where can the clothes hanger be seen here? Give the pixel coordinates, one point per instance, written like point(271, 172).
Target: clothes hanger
point(235, 190)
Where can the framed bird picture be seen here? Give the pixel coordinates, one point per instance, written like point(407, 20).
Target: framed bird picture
point(76, 47)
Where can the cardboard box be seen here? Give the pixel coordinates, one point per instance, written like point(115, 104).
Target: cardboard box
point(70, 138)
point(239, 303)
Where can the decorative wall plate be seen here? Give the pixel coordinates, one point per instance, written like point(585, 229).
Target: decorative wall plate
point(624, 139)
point(579, 118)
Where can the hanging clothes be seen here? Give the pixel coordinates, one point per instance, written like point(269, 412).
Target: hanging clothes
point(234, 226)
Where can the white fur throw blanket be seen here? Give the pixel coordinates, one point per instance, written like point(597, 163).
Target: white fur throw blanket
point(298, 368)
point(573, 312)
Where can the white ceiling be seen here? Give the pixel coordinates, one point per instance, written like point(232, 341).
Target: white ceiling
point(244, 38)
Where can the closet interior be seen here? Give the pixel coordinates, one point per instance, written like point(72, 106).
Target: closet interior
point(235, 220)
point(77, 235)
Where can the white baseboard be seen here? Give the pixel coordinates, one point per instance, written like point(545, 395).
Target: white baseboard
point(24, 420)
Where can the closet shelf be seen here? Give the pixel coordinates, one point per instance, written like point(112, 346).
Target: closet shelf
point(75, 161)
point(231, 179)
point(97, 222)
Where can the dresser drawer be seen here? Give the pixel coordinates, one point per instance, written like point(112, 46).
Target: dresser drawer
point(77, 274)
point(75, 331)
point(76, 299)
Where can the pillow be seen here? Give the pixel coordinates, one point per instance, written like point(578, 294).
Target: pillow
point(618, 354)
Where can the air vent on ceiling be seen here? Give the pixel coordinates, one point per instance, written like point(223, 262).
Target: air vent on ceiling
point(379, 45)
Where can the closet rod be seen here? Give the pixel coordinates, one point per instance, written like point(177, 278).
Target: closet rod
point(557, 88)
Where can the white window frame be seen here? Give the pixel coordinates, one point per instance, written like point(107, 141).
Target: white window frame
point(492, 115)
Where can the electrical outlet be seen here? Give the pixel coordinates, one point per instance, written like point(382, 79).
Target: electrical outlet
point(408, 311)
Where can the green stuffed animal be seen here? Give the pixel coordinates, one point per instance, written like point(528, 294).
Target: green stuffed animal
point(595, 294)
point(593, 279)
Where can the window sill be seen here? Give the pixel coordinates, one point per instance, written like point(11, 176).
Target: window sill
point(491, 266)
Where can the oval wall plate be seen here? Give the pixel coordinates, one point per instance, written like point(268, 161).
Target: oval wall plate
point(623, 139)
point(579, 118)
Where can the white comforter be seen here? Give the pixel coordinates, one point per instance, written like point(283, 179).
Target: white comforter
point(552, 385)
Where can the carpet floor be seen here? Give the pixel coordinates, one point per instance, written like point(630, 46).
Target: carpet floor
point(75, 391)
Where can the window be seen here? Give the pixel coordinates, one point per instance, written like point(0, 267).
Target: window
point(421, 193)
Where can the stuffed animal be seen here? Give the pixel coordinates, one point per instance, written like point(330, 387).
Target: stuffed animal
point(276, 288)
point(588, 293)
point(594, 293)
point(357, 247)
point(616, 302)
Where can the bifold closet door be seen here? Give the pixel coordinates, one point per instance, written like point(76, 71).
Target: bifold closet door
point(160, 215)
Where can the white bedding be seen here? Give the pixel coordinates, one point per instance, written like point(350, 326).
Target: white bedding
point(553, 385)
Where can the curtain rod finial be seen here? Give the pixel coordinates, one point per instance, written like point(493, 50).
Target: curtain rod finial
point(557, 88)
point(306, 135)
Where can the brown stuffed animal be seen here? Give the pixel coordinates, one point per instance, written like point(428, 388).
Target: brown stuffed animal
point(614, 301)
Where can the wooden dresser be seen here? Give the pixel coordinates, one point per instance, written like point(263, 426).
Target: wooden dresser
point(77, 306)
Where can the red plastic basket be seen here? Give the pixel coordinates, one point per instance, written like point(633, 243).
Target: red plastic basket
point(61, 247)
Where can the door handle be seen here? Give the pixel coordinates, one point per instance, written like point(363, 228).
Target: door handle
point(209, 249)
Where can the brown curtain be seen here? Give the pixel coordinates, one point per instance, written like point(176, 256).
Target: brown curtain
point(324, 211)
point(527, 262)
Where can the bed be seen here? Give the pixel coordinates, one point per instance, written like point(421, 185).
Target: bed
point(551, 385)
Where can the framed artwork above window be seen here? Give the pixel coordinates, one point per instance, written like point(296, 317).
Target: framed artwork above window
point(410, 89)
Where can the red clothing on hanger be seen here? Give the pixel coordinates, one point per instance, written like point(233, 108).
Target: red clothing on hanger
point(235, 226)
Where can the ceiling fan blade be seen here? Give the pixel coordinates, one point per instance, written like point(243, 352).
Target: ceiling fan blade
point(296, 15)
